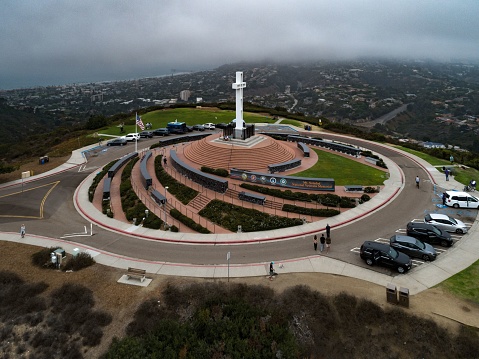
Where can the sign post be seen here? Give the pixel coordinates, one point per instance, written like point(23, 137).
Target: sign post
point(228, 256)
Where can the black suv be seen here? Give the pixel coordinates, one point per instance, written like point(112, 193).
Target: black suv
point(385, 255)
point(429, 233)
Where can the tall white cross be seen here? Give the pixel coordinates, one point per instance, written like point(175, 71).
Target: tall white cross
point(239, 85)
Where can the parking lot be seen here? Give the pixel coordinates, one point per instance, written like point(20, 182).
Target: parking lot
point(416, 261)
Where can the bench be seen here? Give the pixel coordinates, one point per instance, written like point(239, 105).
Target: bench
point(353, 188)
point(251, 197)
point(136, 273)
point(305, 149)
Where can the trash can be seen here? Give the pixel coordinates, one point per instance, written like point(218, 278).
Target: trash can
point(391, 293)
point(404, 297)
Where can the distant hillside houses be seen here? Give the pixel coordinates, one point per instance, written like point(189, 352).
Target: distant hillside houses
point(429, 144)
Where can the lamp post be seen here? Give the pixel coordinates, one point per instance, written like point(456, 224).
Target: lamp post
point(166, 190)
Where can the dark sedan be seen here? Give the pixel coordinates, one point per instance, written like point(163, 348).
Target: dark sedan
point(199, 127)
point(428, 233)
point(146, 134)
point(161, 132)
point(120, 141)
point(413, 247)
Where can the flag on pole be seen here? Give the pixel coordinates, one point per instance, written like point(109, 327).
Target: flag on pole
point(139, 122)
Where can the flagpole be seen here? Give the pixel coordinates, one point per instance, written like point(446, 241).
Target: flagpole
point(136, 131)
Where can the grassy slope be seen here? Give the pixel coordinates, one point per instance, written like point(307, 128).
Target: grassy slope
point(190, 116)
point(344, 171)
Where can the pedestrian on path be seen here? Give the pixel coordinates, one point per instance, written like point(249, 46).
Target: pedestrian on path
point(315, 242)
point(444, 198)
point(328, 244)
point(322, 241)
point(22, 231)
point(447, 174)
point(164, 161)
point(271, 271)
point(328, 230)
point(451, 159)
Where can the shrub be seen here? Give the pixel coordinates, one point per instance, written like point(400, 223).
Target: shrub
point(370, 190)
point(80, 261)
point(42, 259)
point(364, 198)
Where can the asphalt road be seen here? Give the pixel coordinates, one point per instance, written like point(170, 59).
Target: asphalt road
point(46, 207)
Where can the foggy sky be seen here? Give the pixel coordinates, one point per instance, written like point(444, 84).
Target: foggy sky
point(53, 42)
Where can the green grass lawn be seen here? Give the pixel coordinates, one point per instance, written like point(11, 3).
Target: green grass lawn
point(190, 116)
point(430, 159)
point(345, 171)
point(464, 284)
point(292, 122)
point(461, 175)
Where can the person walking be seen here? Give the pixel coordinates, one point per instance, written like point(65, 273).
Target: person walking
point(315, 242)
point(417, 181)
point(444, 198)
point(322, 241)
point(164, 161)
point(22, 231)
point(446, 172)
point(271, 271)
point(328, 231)
point(328, 244)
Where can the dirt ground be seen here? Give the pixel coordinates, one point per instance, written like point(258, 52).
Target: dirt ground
point(121, 300)
point(33, 166)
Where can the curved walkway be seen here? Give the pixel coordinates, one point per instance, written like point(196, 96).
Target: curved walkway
point(462, 255)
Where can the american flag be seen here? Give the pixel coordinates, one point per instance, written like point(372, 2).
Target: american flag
point(139, 122)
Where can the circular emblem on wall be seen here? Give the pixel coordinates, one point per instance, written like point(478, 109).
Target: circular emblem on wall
point(263, 179)
point(272, 180)
point(244, 176)
point(283, 181)
point(253, 178)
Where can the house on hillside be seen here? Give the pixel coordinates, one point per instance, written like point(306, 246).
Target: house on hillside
point(429, 144)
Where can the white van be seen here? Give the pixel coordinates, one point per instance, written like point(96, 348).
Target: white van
point(461, 199)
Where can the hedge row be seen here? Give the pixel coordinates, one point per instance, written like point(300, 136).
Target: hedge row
point(99, 176)
point(215, 171)
point(183, 193)
point(326, 199)
point(317, 212)
point(230, 216)
point(131, 204)
point(187, 221)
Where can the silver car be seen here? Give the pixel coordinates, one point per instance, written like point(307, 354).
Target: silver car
point(446, 223)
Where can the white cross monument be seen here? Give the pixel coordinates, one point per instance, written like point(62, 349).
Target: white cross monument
point(239, 85)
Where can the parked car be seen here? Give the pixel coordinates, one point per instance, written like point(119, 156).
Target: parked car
point(221, 125)
point(120, 141)
point(413, 247)
point(385, 255)
point(189, 128)
point(146, 134)
point(161, 132)
point(461, 199)
point(199, 127)
point(132, 137)
point(428, 233)
point(209, 126)
point(446, 223)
